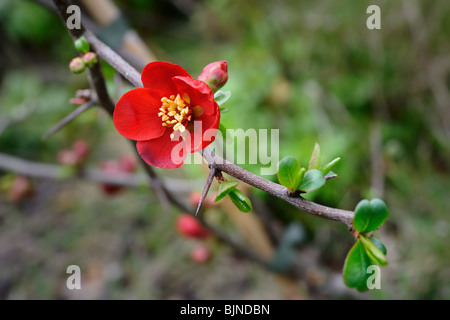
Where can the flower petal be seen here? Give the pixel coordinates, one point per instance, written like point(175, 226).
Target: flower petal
point(158, 76)
point(200, 93)
point(204, 133)
point(136, 115)
point(162, 152)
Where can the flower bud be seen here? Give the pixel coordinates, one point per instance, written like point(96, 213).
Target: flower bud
point(90, 59)
point(127, 163)
point(201, 254)
point(81, 149)
point(190, 227)
point(67, 157)
point(111, 167)
point(82, 45)
point(20, 189)
point(215, 75)
point(77, 65)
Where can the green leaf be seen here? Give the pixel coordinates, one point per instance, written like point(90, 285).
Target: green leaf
point(222, 96)
point(225, 187)
point(369, 215)
point(330, 165)
point(289, 173)
point(355, 267)
point(82, 45)
point(314, 162)
point(379, 245)
point(240, 200)
point(374, 253)
point(312, 180)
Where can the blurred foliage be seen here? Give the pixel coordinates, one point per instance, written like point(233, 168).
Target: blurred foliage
point(312, 70)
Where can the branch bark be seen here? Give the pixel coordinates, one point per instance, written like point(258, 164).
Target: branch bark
point(133, 76)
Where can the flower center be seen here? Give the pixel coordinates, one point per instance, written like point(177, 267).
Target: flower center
point(176, 112)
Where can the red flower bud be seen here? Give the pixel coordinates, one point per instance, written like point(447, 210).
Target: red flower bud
point(215, 75)
point(188, 226)
point(77, 65)
point(20, 189)
point(111, 167)
point(81, 149)
point(67, 157)
point(201, 254)
point(128, 163)
point(90, 59)
point(77, 101)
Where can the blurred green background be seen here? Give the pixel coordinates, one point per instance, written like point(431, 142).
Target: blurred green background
point(379, 99)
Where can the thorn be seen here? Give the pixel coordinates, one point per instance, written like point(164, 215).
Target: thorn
point(212, 173)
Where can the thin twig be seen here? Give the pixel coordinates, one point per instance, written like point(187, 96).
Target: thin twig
point(68, 119)
point(53, 171)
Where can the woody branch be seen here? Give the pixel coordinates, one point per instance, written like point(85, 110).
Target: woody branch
point(219, 164)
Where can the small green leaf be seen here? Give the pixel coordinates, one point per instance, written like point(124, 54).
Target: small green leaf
point(314, 162)
point(240, 200)
point(225, 187)
point(312, 180)
point(289, 173)
point(355, 267)
point(379, 245)
point(374, 253)
point(330, 165)
point(222, 96)
point(82, 45)
point(369, 215)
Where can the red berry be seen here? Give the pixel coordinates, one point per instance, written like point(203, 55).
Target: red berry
point(188, 226)
point(201, 254)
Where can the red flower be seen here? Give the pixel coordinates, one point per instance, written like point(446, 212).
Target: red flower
point(170, 105)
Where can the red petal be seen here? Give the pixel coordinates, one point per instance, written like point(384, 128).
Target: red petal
point(158, 76)
point(200, 93)
point(136, 115)
point(158, 152)
point(208, 122)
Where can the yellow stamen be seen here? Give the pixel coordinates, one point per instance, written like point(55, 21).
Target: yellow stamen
point(176, 112)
